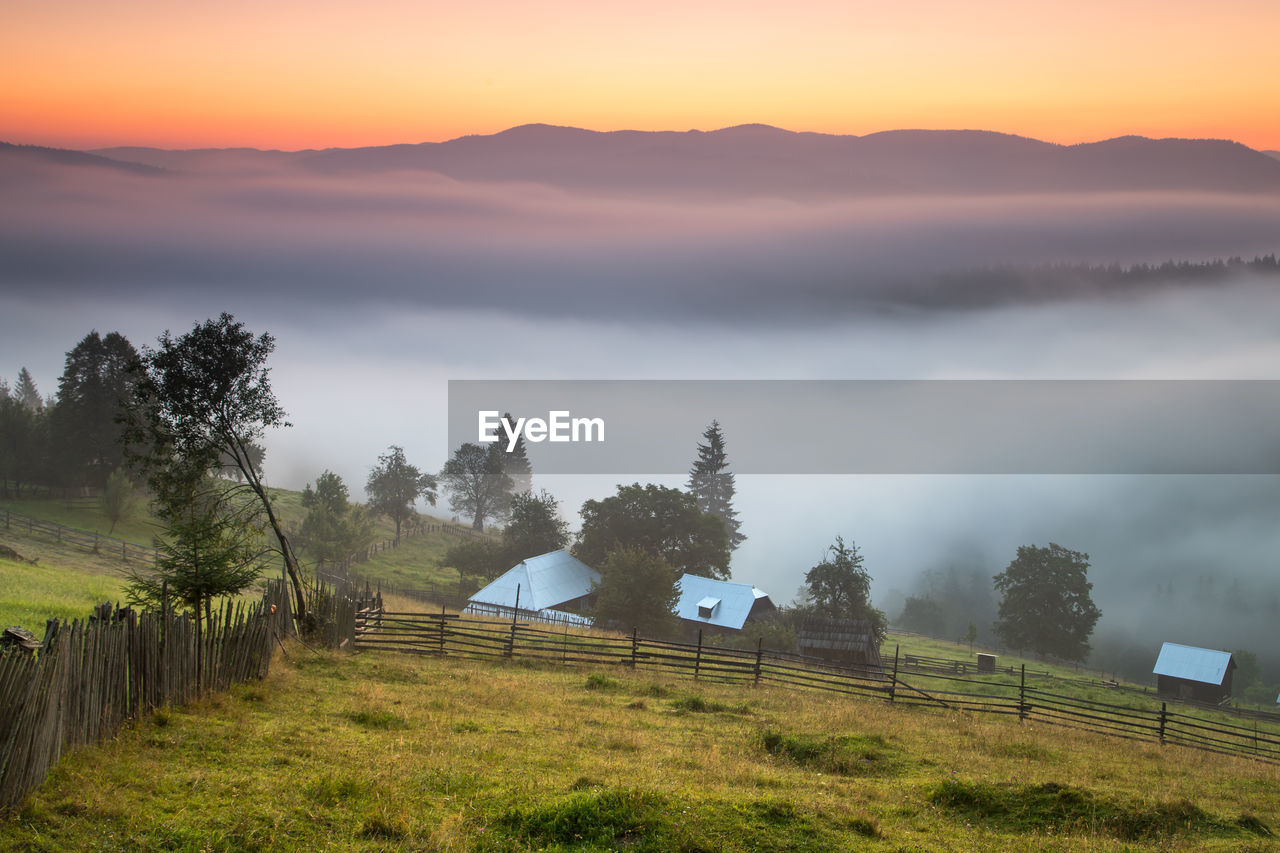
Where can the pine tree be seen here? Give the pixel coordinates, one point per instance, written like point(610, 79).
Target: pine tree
point(514, 463)
point(26, 394)
point(712, 486)
point(95, 389)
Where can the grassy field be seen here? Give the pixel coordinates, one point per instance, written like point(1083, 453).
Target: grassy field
point(84, 514)
point(381, 752)
point(417, 563)
point(30, 595)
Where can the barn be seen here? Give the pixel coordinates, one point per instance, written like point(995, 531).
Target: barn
point(849, 642)
point(721, 605)
point(1201, 675)
point(553, 587)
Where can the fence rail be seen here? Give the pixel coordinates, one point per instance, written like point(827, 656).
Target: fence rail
point(96, 542)
point(936, 687)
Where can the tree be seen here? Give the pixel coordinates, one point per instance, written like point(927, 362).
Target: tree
point(840, 588)
point(118, 498)
point(712, 486)
point(394, 485)
point(535, 526)
point(483, 558)
point(13, 427)
point(26, 394)
point(333, 529)
point(227, 466)
point(637, 590)
point(660, 521)
point(24, 437)
point(1045, 604)
point(922, 615)
point(514, 462)
point(212, 546)
point(204, 396)
point(95, 389)
point(474, 480)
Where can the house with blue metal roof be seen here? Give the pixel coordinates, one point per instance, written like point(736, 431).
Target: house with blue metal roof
point(1187, 672)
point(553, 587)
point(719, 605)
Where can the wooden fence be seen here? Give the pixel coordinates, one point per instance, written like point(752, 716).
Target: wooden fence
point(997, 693)
point(93, 674)
point(95, 542)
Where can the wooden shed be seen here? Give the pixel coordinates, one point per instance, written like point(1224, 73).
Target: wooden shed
point(850, 642)
point(1200, 675)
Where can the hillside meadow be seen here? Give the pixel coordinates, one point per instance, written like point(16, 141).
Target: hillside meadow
point(381, 751)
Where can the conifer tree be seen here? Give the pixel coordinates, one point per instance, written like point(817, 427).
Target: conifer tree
point(514, 463)
point(26, 394)
point(712, 485)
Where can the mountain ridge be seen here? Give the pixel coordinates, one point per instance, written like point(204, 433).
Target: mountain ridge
point(762, 160)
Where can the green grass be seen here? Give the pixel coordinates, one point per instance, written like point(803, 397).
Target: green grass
point(87, 515)
point(30, 595)
point(417, 563)
point(382, 752)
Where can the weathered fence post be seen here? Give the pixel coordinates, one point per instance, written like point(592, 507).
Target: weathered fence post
point(893, 685)
point(697, 661)
point(1022, 694)
point(515, 611)
point(759, 654)
point(1164, 715)
point(635, 645)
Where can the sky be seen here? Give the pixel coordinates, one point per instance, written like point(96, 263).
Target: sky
point(381, 287)
point(294, 75)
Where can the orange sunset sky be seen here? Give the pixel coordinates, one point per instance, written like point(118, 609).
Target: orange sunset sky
point(292, 74)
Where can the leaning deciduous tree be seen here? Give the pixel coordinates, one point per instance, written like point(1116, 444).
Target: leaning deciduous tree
point(1046, 606)
point(394, 485)
point(204, 397)
point(476, 484)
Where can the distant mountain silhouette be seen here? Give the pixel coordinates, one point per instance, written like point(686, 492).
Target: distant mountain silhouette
point(758, 160)
point(34, 155)
point(1275, 154)
point(240, 160)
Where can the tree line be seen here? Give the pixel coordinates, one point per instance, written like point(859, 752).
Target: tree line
point(185, 419)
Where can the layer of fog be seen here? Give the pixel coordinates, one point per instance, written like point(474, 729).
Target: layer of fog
point(422, 241)
point(379, 293)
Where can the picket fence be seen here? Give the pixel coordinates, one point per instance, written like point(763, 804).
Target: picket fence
point(92, 675)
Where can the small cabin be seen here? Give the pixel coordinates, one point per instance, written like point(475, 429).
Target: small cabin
point(1194, 674)
point(848, 642)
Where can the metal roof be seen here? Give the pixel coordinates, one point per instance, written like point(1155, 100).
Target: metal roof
point(735, 601)
point(1204, 665)
point(544, 581)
